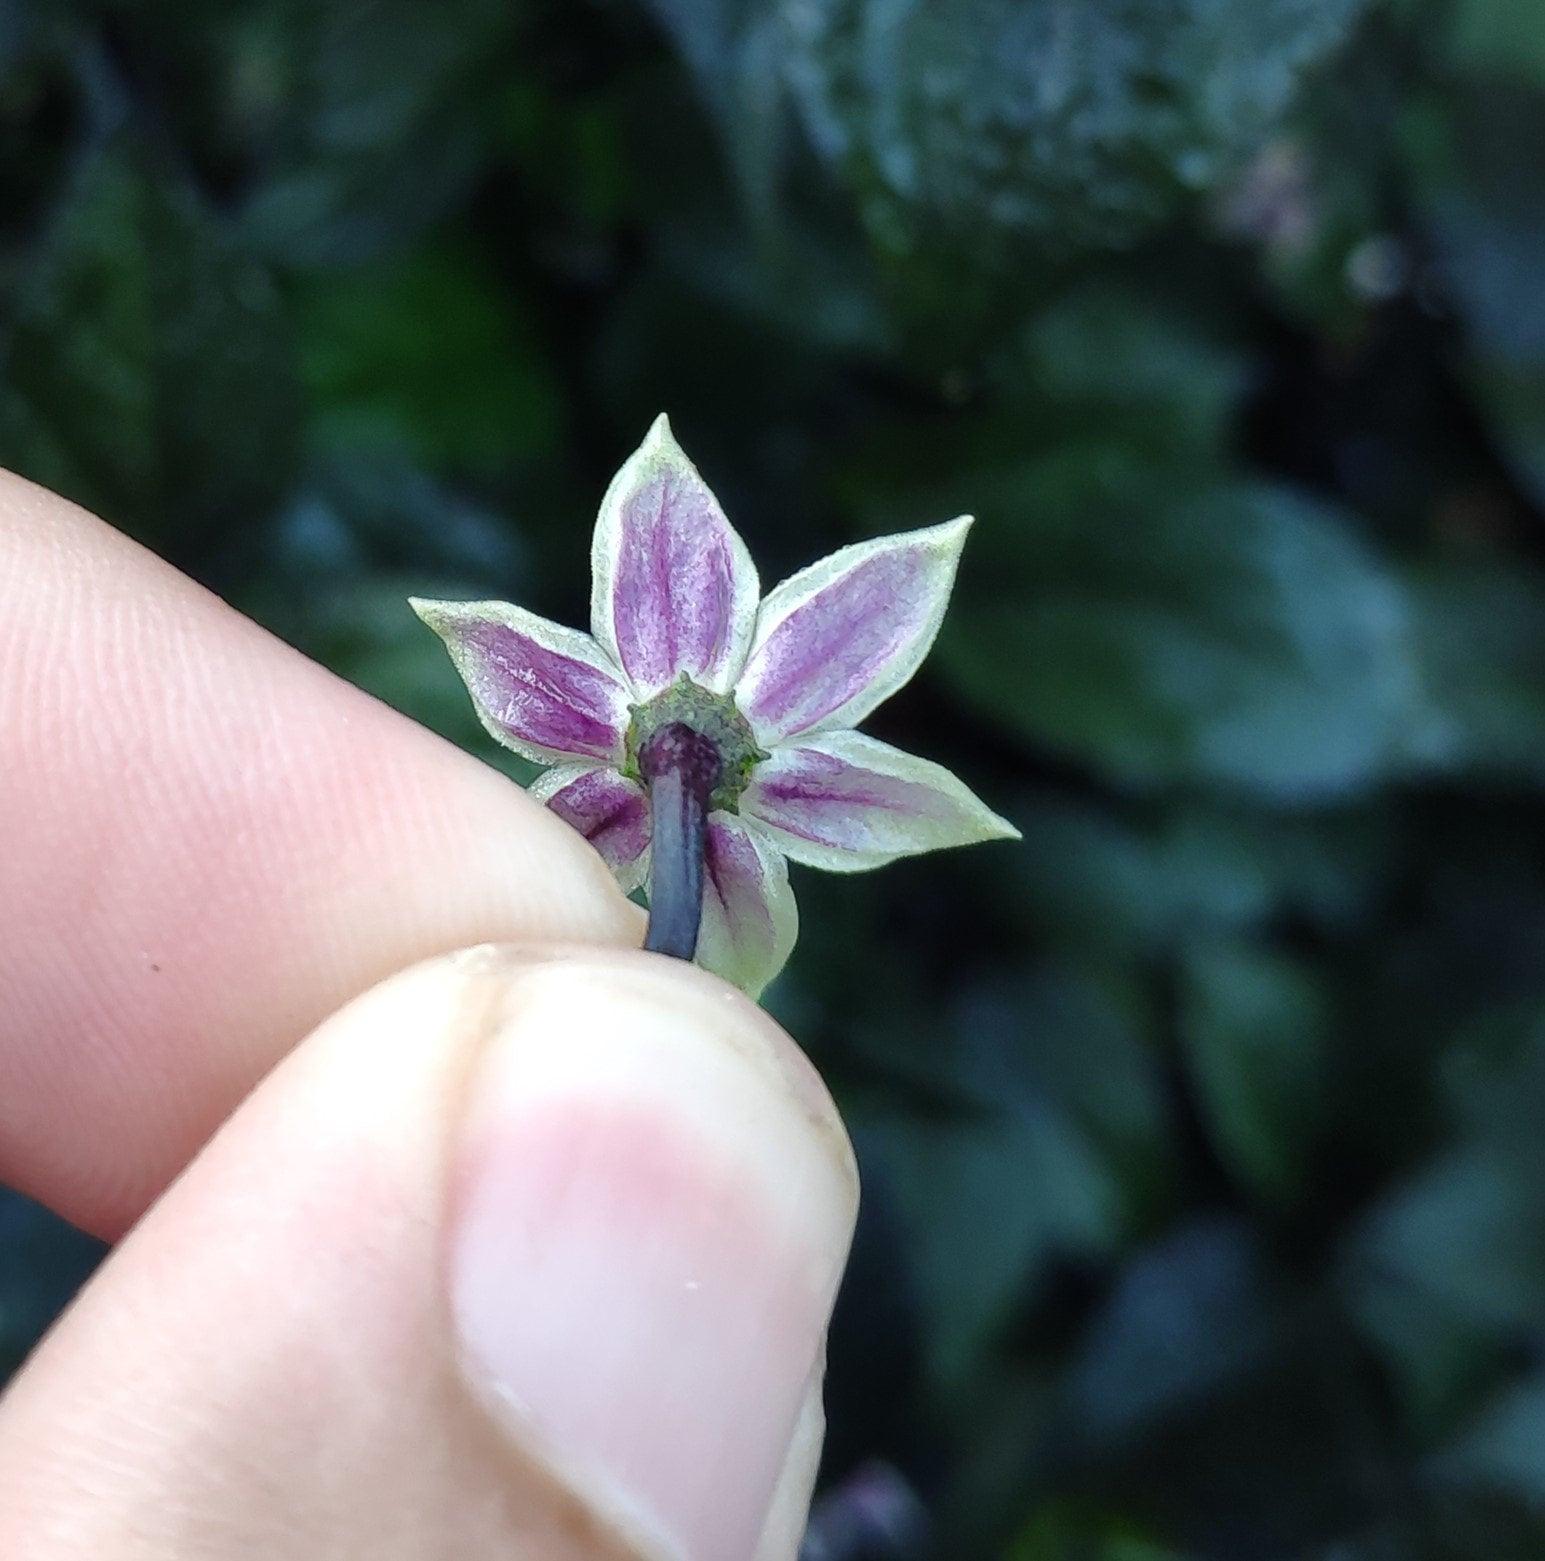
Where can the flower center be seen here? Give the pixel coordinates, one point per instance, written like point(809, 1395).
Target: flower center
point(715, 718)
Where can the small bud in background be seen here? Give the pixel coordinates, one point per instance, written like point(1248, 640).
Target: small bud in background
point(874, 1515)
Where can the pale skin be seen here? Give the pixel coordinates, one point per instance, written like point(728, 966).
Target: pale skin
point(526, 1252)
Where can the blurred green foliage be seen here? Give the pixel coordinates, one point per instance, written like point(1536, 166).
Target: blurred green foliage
point(1205, 1202)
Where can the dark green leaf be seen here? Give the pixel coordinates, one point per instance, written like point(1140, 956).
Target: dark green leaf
point(1126, 365)
point(137, 330)
point(1091, 877)
point(342, 129)
point(1489, 37)
point(1485, 210)
point(1481, 631)
point(736, 50)
point(1060, 1530)
point(43, 1262)
point(976, 121)
point(1056, 1149)
point(1500, 1456)
point(1242, 638)
point(1447, 1275)
point(1189, 1315)
point(980, 1239)
point(1254, 1028)
point(426, 357)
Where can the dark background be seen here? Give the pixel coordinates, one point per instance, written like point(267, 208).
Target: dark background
point(1202, 1132)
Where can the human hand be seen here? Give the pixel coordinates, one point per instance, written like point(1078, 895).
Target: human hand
point(527, 1252)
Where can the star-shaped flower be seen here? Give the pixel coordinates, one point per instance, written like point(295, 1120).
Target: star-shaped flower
point(776, 688)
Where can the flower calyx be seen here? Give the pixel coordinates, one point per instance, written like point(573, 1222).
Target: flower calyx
point(717, 721)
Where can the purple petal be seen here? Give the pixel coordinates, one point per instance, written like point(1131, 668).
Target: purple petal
point(611, 812)
point(845, 802)
point(543, 690)
point(673, 589)
point(750, 920)
point(842, 635)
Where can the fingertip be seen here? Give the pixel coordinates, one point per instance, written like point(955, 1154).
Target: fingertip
point(659, 1171)
point(548, 1237)
point(718, 1014)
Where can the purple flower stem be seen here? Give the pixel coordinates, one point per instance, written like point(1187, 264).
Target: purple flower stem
point(681, 767)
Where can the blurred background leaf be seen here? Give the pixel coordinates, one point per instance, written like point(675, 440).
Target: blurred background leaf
point(1236, 638)
point(1067, 124)
point(337, 132)
point(135, 329)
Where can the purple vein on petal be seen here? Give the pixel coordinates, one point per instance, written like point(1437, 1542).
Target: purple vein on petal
point(847, 633)
point(541, 696)
point(801, 799)
point(540, 688)
point(674, 595)
point(733, 877)
point(749, 916)
point(845, 801)
point(675, 590)
point(833, 645)
point(611, 812)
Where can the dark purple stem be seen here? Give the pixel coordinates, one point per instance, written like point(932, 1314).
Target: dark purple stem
point(681, 767)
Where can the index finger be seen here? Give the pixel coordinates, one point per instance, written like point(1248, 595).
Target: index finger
point(210, 843)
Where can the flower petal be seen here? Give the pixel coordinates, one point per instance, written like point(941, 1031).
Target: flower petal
point(545, 691)
point(673, 588)
point(846, 802)
point(609, 810)
point(750, 920)
point(840, 636)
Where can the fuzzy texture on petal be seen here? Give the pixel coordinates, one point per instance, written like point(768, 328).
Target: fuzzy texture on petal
point(834, 640)
point(548, 692)
point(673, 589)
point(750, 920)
point(847, 802)
point(609, 810)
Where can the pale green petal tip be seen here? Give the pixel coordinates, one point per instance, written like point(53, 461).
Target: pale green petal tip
point(987, 824)
point(661, 451)
point(948, 537)
point(442, 617)
point(658, 452)
point(994, 825)
point(1003, 830)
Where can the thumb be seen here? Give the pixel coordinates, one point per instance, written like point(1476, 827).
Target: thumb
point(518, 1255)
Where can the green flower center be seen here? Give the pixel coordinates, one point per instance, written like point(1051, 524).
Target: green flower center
point(714, 717)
